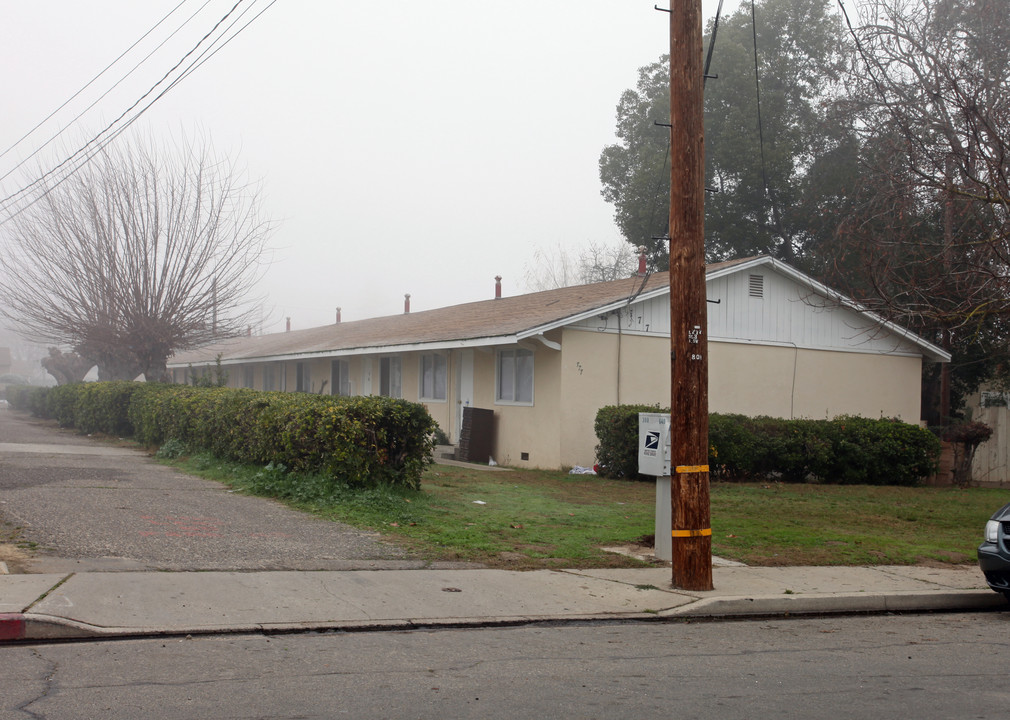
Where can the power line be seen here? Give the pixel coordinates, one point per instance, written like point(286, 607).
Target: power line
point(103, 95)
point(757, 90)
point(84, 148)
point(711, 45)
point(86, 152)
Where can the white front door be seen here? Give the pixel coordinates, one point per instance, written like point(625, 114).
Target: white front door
point(366, 375)
point(464, 388)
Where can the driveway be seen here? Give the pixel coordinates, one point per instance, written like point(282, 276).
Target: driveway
point(80, 503)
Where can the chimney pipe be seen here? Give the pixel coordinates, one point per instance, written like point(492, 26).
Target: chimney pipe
point(641, 261)
point(497, 287)
point(249, 332)
point(338, 316)
point(406, 303)
point(289, 326)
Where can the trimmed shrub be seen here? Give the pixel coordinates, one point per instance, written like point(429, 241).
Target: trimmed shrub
point(846, 450)
point(104, 407)
point(617, 430)
point(358, 440)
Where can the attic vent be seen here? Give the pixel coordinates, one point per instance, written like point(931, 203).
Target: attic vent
point(756, 285)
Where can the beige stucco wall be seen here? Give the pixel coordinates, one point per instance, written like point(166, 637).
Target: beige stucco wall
point(522, 428)
point(790, 382)
point(743, 378)
point(596, 369)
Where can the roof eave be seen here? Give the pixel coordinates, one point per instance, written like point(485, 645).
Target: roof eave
point(350, 352)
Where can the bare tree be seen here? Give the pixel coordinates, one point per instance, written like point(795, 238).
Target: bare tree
point(559, 267)
point(933, 107)
point(935, 79)
point(137, 255)
point(925, 238)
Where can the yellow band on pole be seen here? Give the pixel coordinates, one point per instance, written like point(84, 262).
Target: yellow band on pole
point(692, 533)
point(682, 469)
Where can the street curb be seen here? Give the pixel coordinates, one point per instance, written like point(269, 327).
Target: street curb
point(33, 628)
point(12, 626)
point(43, 627)
point(28, 627)
point(835, 603)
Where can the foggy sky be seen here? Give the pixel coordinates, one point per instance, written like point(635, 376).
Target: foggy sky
point(400, 147)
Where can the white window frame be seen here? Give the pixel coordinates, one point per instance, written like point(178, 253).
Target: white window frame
point(248, 376)
point(269, 378)
point(509, 397)
point(340, 377)
point(428, 385)
point(390, 376)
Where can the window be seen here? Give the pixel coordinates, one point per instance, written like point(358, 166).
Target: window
point(389, 377)
point(247, 376)
point(303, 380)
point(433, 377)
point(340, 378)
point(515, 376)
point(268, 377)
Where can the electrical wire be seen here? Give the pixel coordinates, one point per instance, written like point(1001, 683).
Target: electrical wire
point(103, 95)
point(90, 82)
point(86, 152)
point(711, 45)
point(97, 138)
point(757, 88)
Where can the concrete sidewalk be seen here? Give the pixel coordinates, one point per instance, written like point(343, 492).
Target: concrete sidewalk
point(118, 604)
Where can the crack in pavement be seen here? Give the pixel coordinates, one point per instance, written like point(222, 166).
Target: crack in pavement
point(50, 669)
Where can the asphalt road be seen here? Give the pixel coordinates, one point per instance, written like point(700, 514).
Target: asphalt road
point(914, 666)
point(88, 504)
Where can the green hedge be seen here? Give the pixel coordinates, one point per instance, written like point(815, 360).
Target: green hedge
point(617, 430)
point(358, 440)
point(846, 450)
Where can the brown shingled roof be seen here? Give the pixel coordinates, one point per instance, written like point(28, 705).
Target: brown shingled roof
point(497, 318)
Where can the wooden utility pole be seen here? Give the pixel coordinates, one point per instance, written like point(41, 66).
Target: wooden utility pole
point(690, 511)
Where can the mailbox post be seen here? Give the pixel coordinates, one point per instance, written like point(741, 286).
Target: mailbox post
point(654, 459)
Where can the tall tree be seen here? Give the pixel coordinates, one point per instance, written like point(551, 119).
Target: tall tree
point(138, 254)
point(635, 172)
point(762, 173)
point(768, 127)
point(927, 236)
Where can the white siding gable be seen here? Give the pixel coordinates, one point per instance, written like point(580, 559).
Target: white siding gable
point(759, 305)
point(646, 317)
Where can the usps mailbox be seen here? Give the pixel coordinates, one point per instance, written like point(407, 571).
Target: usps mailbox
point(654, 444)
point(654, 459)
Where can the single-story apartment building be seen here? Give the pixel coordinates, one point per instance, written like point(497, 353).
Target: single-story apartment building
point(779, 342)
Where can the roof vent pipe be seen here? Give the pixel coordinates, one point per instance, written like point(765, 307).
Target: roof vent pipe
point(497, 287)
point(406, 303)
point(289, 326)
point(641, 261)
point(338, 316)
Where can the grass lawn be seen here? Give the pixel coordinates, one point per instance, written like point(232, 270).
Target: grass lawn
point(538, 519)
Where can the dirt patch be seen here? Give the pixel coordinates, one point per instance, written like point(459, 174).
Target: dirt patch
point(945, 559)
point(14, 557)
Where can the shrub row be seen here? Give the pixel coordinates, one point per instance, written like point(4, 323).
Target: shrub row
point(357, 440)
point(846, 450)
